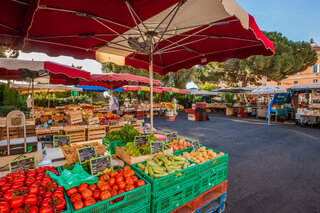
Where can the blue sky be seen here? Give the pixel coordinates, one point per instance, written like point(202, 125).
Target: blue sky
point(295, 19)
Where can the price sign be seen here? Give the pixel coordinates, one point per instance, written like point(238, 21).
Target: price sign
point(172, 136)
point(86, 154)
point(98, 165)
point(196, 145)
point(156, 147)
point(140, 140)
point(23, 164)
point(61, 140)
point(133, 122)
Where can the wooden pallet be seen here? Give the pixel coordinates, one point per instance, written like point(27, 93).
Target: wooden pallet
point(77, 135)
point(91, 120)
point(96, 133)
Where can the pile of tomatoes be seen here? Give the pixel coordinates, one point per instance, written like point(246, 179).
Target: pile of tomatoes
point(31, 192)
point(109, 185)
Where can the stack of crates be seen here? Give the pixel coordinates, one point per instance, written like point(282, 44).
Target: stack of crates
point(201, 113)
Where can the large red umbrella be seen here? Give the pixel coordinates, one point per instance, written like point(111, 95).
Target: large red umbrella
point(163, 36)
point(141, 88)
point(116, 80)
point(173, 90)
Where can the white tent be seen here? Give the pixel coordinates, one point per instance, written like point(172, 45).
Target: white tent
point(267, 90)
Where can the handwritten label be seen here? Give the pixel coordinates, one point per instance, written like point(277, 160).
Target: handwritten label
point(98, 165)
point(141, 140)
point(85, 154)
point(172, 136)
point(156, 147)
point(23, 164)
point(196, 145)
point(61, 140)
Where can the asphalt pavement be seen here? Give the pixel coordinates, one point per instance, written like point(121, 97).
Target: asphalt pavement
point(271, 168)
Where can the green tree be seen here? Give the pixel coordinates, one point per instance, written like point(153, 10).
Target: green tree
point(10, 96)
point(208, 86)
point(289, 58)
point(6, 52)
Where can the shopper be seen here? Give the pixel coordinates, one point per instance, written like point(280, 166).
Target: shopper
point(114, 104)
point(174, 103)
point(295, 104)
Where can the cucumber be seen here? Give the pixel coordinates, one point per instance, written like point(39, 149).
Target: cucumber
point(141, 166)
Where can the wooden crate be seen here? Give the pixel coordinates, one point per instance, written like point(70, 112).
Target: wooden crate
point(96, 133)
point(17, 132)
point(73, 107)
point(3, 121)
point(91, 120)
point(229, 111)
point(132, 160)
point(74, 118)
point(114, 128)
point(77, 135)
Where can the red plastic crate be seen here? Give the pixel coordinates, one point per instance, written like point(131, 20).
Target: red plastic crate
point(191, 111)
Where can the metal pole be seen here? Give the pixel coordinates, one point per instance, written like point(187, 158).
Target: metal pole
point(32, 98)
point(151, 88)
point(269, 111)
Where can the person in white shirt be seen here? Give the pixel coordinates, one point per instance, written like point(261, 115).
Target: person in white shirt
point(114, 104)
point(174, 103)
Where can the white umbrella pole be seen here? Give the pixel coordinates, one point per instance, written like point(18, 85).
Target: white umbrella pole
point(151, 88)
point(270, 110)
point(32, 98)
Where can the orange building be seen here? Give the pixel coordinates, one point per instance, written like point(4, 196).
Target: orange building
point(309, 76)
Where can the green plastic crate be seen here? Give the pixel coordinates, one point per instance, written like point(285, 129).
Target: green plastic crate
point(132, 202)
point(169, 184)
point(68, 204)
point(179, 152)
point(111, 145)
point(145, 209)
point(175, 200)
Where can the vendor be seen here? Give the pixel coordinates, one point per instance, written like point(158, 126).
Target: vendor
point(114, 104)
point(294, 103)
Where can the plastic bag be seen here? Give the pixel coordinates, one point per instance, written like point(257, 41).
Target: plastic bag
point(73, 178)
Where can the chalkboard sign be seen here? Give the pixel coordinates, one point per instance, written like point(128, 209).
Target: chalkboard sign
point(85, 154)
point(23, 164)
point(196, 145)
point(172, 136)
point(156, 147)
point(61, 140)
point(98, 165)
point(133, 122)
point(140, 140)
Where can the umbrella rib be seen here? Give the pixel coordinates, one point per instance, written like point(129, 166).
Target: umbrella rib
point(15, 36)
point(129, 6)
point(174, 15)
point(83, 14)
point(20, 2)
point(166, 17)
point(134, 19)
point(115, 43)
point(55, 43)
point(8, 27)
point(220, 37)
point(75, 35)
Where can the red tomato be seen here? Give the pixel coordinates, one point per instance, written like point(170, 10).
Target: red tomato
point(46, 202)
point(47, 194)
point(37, 182)
point(31, 173)
point(105, 195)
point(113, 193)
point(17, 185)
point(33, 190)
point(82, 187)
point(78, 205)
point(5, 187)
point(140, 183)
point(75, 197)
point(129, 181)
point(9, 176)
point(119, 179)
point(46, 168)
point(39, 176)
point(105, 186)
point(121, 191)
point(30, 180)
point(120, 171)
point(89, 201)
point(4, 207)
point(105, 177)
point(122, 185)
point(31, 200)
point(96, 194)
point(19, 179)
point(57, 194)
point(41, 191)
point(113, 174)
point(32, 209)
point(46, 209)
point(129, 187)
point(112, 181)
point(60, 203)
point(60, 189)
point(40, 170)
point(16, 202)
point(100, 182)
point(134, 178)
point(17, 210)
point(45, 182)
point(1, 194)
point(8, 195)
point(93, 187)
point(71, 191)
point(126, 168)
point(53, 186)
point(115, 187)
point(18, 174)
point(86, 193)
point(3, 181)
point(126, 174)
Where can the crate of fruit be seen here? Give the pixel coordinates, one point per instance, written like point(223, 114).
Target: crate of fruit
point(181, 146)
point(168, 174)
point(121, 190)
point(213, 166)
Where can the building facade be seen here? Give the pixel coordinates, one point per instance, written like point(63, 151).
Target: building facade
point(309, 76)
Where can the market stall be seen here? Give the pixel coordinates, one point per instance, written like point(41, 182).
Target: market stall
point(309, 103)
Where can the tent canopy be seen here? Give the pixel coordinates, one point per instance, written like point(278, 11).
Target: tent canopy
point(234, 90)
point(200, 92)
point(26, 88)
point(173, 90)
point(304, 88)
point(41, 71)
point(183, 33)
point(268, 90)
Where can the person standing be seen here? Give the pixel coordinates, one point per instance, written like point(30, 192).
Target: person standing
point(295, 104)
point(114, 104)
point(174, 103)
